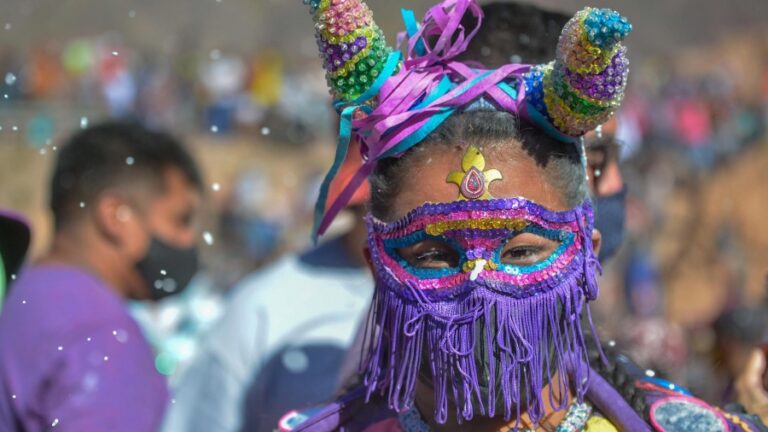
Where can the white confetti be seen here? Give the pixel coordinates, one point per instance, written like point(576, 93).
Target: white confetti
point(163, 272)
point(88, 339)
point(208, 237)
point(106, 358)
point(265, 131)
point(83, 122)
point(115, 53)
point(129, 160)
point(13, 396)
point(55, 422)
point(10, 78)
point(214, 128)
point(120, 335)
point(8, 26)
point(61, 348)
point(82, 204)
point(216, 187)
point(15, 128)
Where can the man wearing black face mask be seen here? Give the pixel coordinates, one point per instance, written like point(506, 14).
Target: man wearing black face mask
point(123, 200)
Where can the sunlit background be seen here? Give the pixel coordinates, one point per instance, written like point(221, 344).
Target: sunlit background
point(241, 82)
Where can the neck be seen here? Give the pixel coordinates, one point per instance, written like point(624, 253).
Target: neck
point(425, 403)
point(78, 247)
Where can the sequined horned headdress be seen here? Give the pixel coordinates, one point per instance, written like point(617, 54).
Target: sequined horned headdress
point(390, 103)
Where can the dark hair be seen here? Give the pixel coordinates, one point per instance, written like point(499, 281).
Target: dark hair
point(561, 161)
point(113, 154)
point(514, 33)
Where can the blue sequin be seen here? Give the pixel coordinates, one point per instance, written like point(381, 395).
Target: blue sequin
point(605, 27)
point(681, 415)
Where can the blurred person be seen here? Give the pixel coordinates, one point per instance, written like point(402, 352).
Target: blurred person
point(750, 386)
point(738, 331)
point(123, 200)
point(651, 341)
point(480, 235)
point(283, 336)
point(14, 242)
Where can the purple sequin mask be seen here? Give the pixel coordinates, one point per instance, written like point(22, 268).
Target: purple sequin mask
point(487, 325)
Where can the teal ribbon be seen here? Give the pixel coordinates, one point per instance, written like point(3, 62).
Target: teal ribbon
point(345, 136)
point(393, 61)
point(437, 119)
point(412, 27)
point(543, 123)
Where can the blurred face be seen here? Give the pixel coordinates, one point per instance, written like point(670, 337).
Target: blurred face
point(167, 218)
point(603, 161)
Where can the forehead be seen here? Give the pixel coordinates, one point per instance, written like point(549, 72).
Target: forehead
point(176, 190)
point(521, 176)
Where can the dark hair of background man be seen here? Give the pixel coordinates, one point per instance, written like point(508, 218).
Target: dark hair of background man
point(514, 33)
point(114, 154)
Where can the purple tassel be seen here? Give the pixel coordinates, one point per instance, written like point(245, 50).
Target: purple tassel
point(515, 346)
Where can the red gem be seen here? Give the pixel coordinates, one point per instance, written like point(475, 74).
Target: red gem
point(473, 184)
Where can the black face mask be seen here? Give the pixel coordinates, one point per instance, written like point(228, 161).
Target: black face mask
point(167, 269)
point(609, 220)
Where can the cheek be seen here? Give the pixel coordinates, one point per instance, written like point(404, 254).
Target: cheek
point(135, 240)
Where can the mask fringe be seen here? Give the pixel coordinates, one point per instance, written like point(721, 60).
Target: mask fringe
point(522, 344)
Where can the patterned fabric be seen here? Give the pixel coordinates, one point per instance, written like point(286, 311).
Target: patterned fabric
point(672, 409)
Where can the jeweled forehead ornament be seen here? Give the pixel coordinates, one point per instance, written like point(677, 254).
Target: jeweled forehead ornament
point(473, 181)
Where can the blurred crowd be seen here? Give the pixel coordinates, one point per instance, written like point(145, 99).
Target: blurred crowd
point(217, 91)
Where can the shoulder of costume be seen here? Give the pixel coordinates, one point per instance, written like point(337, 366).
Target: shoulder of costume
point(672, 408)
point(349, 412)
point(669, 407)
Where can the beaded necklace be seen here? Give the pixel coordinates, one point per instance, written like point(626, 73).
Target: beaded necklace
point(575, 420)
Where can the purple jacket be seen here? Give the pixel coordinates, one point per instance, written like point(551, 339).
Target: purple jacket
point(71, 357)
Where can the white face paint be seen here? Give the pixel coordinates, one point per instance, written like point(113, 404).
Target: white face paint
point(479, 266)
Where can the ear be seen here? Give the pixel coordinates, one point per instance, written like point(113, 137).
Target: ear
point(597, 241)
point(111, 215)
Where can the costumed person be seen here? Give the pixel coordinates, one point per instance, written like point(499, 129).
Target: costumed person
point(72, 358)
point(497, 42)
point(14, 242)
point(267, 355)
point(480, 233)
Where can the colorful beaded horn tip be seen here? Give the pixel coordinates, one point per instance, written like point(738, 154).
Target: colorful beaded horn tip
point(352, 46)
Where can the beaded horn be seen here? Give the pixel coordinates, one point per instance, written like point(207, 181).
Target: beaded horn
point(579, 90)
point(390, 105)
point(352, 46)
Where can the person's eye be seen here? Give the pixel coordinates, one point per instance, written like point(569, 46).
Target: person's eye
point(527, 249)
point(430, 254)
